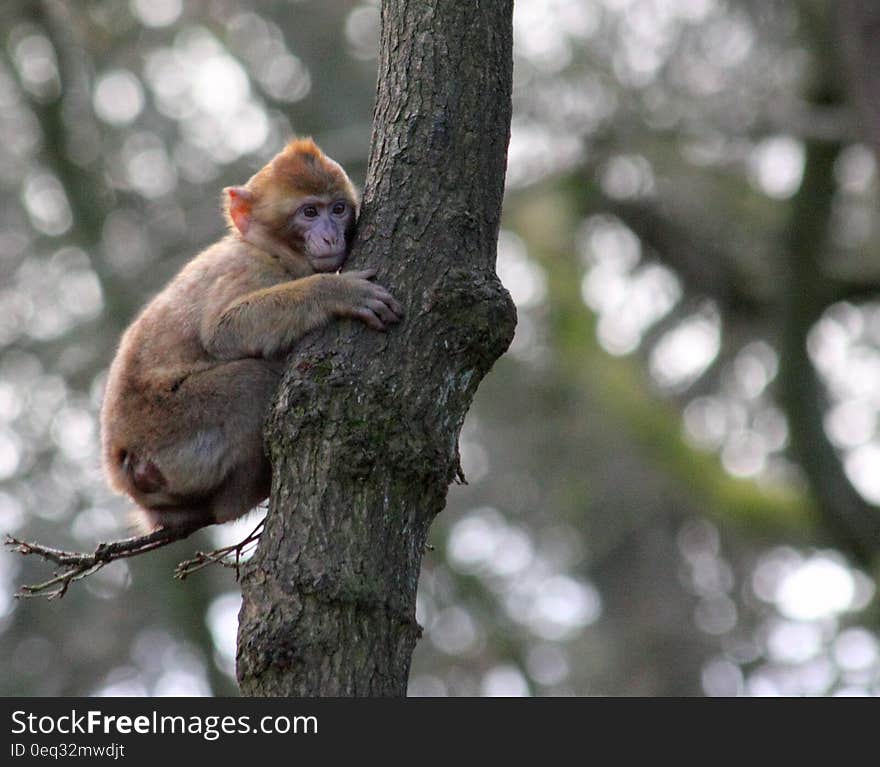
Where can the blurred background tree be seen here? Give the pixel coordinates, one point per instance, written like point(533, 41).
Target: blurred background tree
point(673, 474)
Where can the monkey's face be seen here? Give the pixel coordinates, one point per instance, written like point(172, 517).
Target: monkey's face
point(301, 206)
point(324, 226)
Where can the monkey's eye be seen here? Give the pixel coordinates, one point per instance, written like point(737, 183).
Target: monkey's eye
point(339, 208)
point(310, 211)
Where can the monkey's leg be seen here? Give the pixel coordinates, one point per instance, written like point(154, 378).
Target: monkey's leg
point(245, 486)
point(219, 471)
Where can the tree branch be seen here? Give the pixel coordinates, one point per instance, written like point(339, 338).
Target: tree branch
point(698, 258)
point(854, 524)
point(76, 565)
point(219, 556)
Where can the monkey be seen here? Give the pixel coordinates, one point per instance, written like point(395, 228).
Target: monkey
point(193, 375)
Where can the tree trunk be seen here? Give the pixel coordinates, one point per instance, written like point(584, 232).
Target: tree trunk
point(363, 436)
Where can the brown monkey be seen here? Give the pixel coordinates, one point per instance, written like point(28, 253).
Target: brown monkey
point(187, 391)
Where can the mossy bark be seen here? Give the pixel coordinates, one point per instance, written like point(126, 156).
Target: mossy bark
point(363, 435)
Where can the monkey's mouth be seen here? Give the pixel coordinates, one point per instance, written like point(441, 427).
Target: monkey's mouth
point(328, 262)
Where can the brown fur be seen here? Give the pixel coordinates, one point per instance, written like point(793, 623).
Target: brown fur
point(187, 391)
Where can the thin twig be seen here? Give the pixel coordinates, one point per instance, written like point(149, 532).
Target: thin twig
point(75, 565)
point(220, 556)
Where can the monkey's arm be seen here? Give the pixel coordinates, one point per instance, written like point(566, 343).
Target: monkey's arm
point(267, 322)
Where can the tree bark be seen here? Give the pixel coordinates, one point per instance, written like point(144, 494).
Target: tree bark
point(363, 436)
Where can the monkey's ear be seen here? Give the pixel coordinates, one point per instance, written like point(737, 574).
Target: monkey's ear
point(238, 206)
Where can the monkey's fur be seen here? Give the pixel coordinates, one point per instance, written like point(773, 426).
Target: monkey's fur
point(187, 391)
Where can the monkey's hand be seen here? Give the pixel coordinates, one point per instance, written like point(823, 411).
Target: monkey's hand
point(368, 301)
